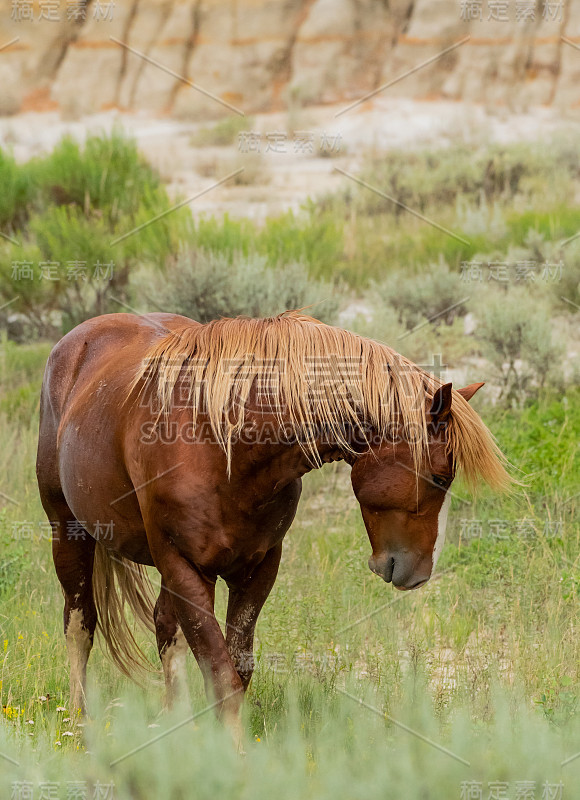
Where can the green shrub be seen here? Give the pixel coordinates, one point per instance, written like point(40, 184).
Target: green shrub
point(108, 174)
point(569, 286)
point(93, 213)
point(64, 233)
point(15, 196)
point(434, 295)
point(110, 181)
point(204, 286)
point(224, 235)
point(432, 178)
point(516, 334)
point(66, 274)
point(312, 238)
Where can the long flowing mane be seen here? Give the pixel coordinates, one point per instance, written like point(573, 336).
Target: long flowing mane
point(323, 377)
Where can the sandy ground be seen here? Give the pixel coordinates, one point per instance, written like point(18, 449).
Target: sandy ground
point(276, 181)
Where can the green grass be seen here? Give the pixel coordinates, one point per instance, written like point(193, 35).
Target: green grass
point(16, 193)
point(308, 238)
point(557, 223)
point(340, 242)
point(482, 661)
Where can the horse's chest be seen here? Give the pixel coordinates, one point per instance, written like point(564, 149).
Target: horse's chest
point(246, 537)
point(276, 515)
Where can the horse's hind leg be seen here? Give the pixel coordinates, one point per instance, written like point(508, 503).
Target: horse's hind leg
point(73, 552)
point(173, 649)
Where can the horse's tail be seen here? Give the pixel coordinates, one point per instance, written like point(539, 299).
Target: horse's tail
point(118, 582)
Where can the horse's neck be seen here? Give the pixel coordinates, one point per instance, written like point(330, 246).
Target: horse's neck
point(273, 459)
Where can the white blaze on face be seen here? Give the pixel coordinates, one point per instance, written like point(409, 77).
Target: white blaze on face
point(441, 525)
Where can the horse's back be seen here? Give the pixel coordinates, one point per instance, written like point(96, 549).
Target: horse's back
point(96, 340)
point(105, 348)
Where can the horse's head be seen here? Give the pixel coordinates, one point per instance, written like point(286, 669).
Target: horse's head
point(405, 515)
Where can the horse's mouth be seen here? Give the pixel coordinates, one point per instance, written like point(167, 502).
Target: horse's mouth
point(414, 586)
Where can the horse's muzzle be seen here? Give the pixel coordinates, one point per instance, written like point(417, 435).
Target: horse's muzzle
point(400, 569)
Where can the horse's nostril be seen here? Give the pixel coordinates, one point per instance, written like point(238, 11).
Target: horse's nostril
point(386, 572)
point(383, 567)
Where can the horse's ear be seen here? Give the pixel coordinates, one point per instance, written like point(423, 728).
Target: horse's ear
point(468, 391)
point(441, 404)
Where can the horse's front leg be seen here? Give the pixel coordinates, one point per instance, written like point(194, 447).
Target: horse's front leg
point(245, 602)
point(192, 597)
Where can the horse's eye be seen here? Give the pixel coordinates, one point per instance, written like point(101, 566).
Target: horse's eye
point(440, 480)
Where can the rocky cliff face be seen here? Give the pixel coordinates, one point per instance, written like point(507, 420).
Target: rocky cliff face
point(257, 55)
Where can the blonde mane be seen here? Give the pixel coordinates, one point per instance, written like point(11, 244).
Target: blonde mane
point(323, 377)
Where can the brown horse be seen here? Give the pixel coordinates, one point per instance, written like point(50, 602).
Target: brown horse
point(169, 443)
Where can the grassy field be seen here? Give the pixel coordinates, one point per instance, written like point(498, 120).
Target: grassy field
point(473, 678)
point(467, 688)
